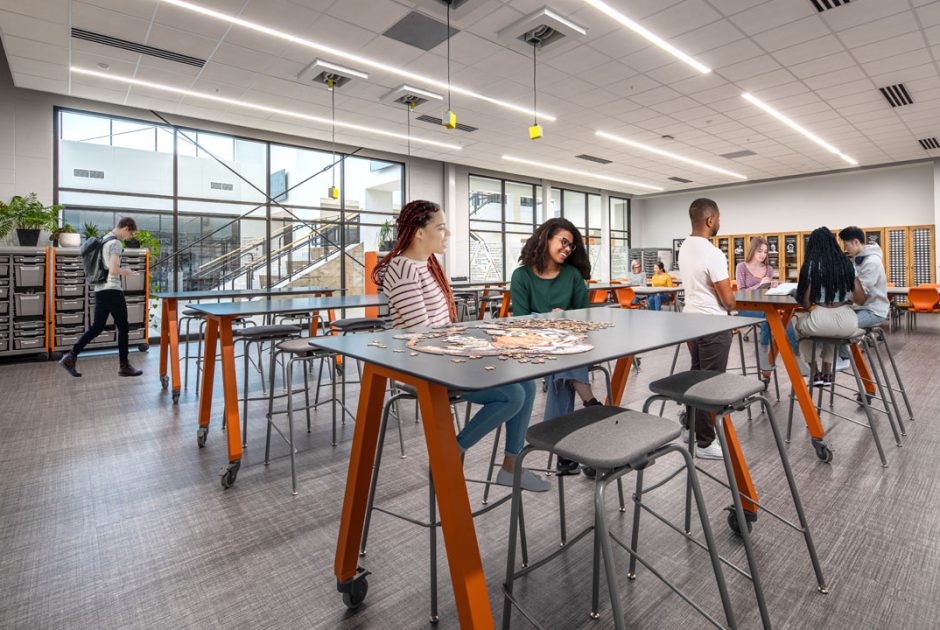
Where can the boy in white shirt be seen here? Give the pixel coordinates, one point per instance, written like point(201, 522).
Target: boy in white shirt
point(708, 291)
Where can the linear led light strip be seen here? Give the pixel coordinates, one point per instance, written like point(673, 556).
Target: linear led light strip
point(573, 171)
point(792, 125)
point(651, 37)
point(260, 108)
point(674, 156)
point(355, 59)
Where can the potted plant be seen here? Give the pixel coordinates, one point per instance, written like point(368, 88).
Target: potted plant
point(387, 236)
point(146, 240)
point(65, 236)
point(90, 230)
point(29, 216)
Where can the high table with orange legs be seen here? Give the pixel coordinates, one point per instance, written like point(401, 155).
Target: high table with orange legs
point(779, 309)
point(169, 321)
point(219, 333)
point(432, 376)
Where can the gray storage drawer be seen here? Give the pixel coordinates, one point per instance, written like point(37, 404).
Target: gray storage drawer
point(69, 305)
point(4, 307)
point(135, 313)
point(4, 291)
point(70, 290)
point(28, 304)
point(29, 343)
point(137, 334)
point(69, 319)
point(3, 345)
point(4, 269)
point(107, 336)
point(134, 283)
point(29, 275)
point(67, 340)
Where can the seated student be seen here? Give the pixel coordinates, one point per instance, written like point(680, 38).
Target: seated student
point(660, 278)
point(419, 296)
point(828, 283)
point(756, 273)
point(707, 291)
point(637, 278)
point(869, 266)
point(552, 277)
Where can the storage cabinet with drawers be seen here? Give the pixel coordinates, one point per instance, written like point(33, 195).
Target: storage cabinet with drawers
point(23, 313)
point(72, 300)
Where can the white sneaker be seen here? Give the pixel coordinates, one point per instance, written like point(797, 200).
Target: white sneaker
point(530, 481)
point(685, 435)
point(842, 364)
point(712, 451)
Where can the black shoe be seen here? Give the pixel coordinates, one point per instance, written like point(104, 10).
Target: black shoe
point(68, 362)
point(564, 467)
point(589, 472)
point(129, 370)
point(593, 403)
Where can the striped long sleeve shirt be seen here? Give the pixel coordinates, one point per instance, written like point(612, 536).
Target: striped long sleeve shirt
point(414, 298)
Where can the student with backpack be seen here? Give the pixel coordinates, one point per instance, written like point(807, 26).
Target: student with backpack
point(102, 261)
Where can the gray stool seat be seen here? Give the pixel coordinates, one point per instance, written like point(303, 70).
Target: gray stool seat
point(604, 437)
point(191, 313)
point(300, 347)
point(358, 324)
point(707, 388)
point(855, 337)
point(267, 332)
point(409, 390)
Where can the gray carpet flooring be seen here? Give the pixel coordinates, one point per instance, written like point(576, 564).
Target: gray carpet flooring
point(111, 517)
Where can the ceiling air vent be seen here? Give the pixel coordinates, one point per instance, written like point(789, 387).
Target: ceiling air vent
point(681, 180)
point(896, 95)
point(114, 42)
point(221, 186)
point(929, 143)
point(544, 27)
point(737, 154)
point(406, 95)
point(438, 122)
point(320, 71)
point(84, 172)
point(591, 158)
point(825, 5)
point(420, 31)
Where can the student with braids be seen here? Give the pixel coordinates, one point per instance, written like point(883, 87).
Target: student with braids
point(419, 296)
point(829, 286)
point(552, 277)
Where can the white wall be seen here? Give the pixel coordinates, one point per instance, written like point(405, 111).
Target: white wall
point(898, 195)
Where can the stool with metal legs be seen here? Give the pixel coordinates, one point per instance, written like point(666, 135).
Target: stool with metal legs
point(432, 523)
point(720, 394)
point(298, 351)
point(863, 397)
point(878, 340)
point(615, 442)
point(349, 326)
point(244, 322)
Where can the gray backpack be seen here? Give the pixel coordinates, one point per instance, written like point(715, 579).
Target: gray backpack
point(96, 269)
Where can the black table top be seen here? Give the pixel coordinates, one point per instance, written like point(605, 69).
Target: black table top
point(634, 331)
point(478, 285)
point(246, 293)
point(759, 296)
point(292, 305)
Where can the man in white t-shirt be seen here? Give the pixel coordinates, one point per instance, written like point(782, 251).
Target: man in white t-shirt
point(708, 291)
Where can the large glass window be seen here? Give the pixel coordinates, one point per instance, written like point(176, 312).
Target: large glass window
point(503, 215)
point(619, 237)
point(584, 210)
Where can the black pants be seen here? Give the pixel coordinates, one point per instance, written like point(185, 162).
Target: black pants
point(110, 302)
point(708, 353)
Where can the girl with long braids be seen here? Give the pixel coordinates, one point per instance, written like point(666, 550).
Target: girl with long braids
point(419, 296)
point(829, 286)
point(554, 268)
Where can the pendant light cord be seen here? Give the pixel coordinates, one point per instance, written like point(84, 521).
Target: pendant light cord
point(535, 116)
point(333, 129)
point(448, 55)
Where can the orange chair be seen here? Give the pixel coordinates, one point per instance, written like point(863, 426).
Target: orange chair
point(923, 299)
point(625, 297)
point(598, 296)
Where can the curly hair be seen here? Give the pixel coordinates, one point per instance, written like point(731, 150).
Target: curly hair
point(535, 251)
point(826, 269)
point(414, 216)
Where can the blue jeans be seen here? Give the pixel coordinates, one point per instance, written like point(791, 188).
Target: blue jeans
point(867, 319)
point(654, 301)
point(764, 330)
point(561, 395)
point(509, 404)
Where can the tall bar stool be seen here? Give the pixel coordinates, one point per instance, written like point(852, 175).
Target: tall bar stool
point(616, 442)
point(188, 317)
point(296, 351)
point(862, 397)
point(877, 341)
point(352, 326)
point(720, 394)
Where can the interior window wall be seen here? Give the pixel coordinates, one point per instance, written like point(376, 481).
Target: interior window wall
point(503, 215)
point(584, 211)
point(619, 237)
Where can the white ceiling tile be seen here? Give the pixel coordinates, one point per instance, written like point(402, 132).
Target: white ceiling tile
point(791, 34)
point(674, 73)
point(719, 32)
point(32, 49)
point(862, 13)
point(244, 58)
point(375, 15)
point(929, 15)
point(189, 21)
point(879, 30)
point(818, 49)
point(29, 27)
point(750, 68)
point(181, 42)
point(579, 59)
point(888, 48)
point(770, 15)
point(846, 75)
point(903, 65)
point(681, 18)
point(38, 68)
point(30, 82)
point(814, 68)
point(618, 44)
point(729, 54)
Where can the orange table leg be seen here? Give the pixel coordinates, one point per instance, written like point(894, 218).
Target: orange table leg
point(208, 375)
point(463, 553)
point(779, 333)
point(230, 389)
point(172, 325)
point(741, 473)
point(863, 370)
point(618, 380)
point(504, 307)
point(164, 343)
point(358, 478)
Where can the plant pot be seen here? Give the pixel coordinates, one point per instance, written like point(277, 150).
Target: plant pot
point(132, 244)
point(386, 246)
point(27, 238)
point(69, 239)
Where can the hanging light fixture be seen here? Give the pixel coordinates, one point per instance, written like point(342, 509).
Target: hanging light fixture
point(409, 107)
point(535, 131)
point(448, 118)
point(333, 192)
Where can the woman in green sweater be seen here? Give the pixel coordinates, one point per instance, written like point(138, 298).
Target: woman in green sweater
point(554, 268)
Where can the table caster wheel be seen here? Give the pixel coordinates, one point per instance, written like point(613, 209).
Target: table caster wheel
point(176, 398)
point(165, 381)
point(823, 452)
point(354, 591)
point(201, 434)
point(229, 472)
point(868, 398)
point(143, 347)
point(749, 518)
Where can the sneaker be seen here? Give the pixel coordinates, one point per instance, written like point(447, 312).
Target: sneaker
point(712, 451)
point(593, 403)
point(68, 362)
point(129, 370)
point(589, 472)
point(530, 481)
point(842, 365)
point(566, 467)
point(826, 380)
point(819, 380)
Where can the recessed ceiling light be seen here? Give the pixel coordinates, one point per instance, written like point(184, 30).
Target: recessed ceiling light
point(259, 107)
point(651, 37)
point(668, 154)
point(574, 171)
point(792, 125)
point(353, 58)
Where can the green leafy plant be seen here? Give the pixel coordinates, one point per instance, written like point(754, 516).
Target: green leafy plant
point(386, 234)
point(65, 229)
point(90, 230)
point(28, 213)
point(147, 240)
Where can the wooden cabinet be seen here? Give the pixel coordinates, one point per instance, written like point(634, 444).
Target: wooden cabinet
point(909, 255)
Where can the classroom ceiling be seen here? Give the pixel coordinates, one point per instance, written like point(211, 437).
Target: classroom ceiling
point(822, 69)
